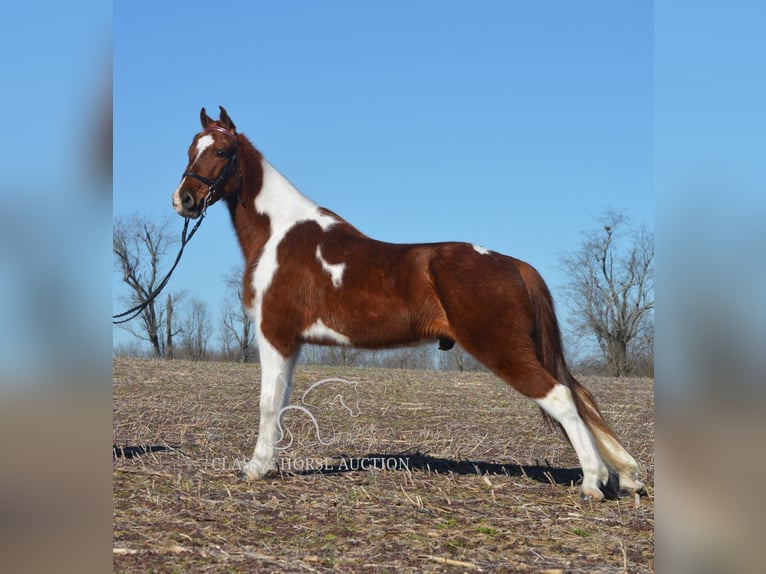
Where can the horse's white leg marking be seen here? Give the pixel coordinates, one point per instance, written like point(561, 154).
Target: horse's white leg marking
point(480, 249)
point(559, 404)
point(321, 333)
point(285, 207)
point(276, 385)
point(335, 269)
point(610, 449)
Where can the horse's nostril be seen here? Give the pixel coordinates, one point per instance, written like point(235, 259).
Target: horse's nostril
point(188, 200)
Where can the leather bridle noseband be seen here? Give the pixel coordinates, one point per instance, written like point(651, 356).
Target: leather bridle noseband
point(213, 184)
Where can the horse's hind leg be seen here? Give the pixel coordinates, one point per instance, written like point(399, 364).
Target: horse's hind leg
point(615, 455)
point(529, 377)
point(596, 445)
point(556, 400)
point(559, 404)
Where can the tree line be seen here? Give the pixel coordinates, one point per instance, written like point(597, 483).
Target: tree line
point(610, 291)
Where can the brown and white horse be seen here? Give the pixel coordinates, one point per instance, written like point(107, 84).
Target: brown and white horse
point(311, 277)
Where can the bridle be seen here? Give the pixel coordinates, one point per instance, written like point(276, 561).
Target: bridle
point(233, 161)
point(210, 199)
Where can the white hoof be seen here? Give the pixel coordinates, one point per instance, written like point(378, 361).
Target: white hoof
point(256, 470)
point(588, 493)
point(591, 489)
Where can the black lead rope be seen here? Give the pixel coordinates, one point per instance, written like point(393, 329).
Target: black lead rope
point(233, 160)
point(134, 312)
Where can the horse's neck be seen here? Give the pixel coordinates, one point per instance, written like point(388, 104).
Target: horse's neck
point(251, 227)
point(281, 201)
point(269, 205)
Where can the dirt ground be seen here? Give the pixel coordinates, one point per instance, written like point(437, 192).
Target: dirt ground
point(380, 471)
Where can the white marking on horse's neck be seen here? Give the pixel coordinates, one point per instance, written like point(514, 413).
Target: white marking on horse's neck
point(285, 207)
point(480, 249)
point(334, 269)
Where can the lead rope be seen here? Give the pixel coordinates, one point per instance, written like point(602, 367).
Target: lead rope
point(134, 312)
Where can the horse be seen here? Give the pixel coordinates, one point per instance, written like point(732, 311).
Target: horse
point(312, 277)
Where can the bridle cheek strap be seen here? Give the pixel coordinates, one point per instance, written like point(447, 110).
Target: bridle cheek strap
point(213, 184)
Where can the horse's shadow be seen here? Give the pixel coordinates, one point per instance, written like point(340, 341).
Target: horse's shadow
point(416, 461)
point(132, 451)
point(425, 463)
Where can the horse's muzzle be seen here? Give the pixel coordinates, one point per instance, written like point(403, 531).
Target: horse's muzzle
point(185, 205)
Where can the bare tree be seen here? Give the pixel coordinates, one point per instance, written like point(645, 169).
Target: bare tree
point(237, 335)
point(169, 331)
point(612, 291)
point(421, 356)
point(458, 359)
point(336, 355)
point(196, 330)
point(139, 246)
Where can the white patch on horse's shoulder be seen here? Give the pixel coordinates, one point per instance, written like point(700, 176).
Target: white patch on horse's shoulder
point(285, 207)
point(321, 333)
point(480, 249)
point(334, 269)
point(202, 144)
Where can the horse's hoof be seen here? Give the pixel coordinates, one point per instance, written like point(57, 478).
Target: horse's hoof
point(255, 472)
point(590, 495)
point(631, 485)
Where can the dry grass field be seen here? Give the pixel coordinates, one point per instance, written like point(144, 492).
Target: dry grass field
point(413, 471)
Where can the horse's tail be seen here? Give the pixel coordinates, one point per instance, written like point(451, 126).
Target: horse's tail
point(550, 352)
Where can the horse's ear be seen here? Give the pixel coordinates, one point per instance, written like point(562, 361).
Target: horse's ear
point(226, 121)
point(204, 118)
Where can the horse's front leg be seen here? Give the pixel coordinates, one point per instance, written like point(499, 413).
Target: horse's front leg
point(276, 385)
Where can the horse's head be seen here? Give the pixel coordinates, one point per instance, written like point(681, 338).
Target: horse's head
point(213, 170)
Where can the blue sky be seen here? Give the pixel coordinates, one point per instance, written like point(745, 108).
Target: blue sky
point(55, 220)
point(511, 125)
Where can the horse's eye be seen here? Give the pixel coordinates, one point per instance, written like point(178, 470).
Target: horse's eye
point(221, 153)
